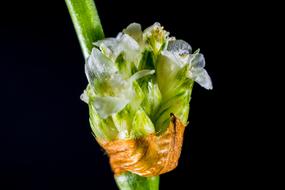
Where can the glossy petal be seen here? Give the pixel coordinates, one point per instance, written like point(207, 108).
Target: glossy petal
point(201, 76)
point(98, 66)
point(179, 46)
point(197, 60)
point(106, 106)
point(135, 31)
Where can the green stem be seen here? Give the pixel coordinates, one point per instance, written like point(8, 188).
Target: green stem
point(86, 22)
point(88, 28)
point(130, 181)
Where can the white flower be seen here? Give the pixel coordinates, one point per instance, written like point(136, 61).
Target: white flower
point(112, 91)
point(123, 43)
point(121, 104)
point(179, 52)
point(197, 71)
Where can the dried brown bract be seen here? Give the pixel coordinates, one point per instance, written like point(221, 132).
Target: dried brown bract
point(151, 155)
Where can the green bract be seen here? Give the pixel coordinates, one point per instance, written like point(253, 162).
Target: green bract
point(137, 79)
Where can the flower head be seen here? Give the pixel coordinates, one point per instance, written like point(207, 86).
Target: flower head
point(137, 79)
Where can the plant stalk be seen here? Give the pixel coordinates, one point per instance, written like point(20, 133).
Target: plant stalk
point(86, 22)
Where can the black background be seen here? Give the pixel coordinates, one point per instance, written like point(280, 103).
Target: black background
point(45, 139)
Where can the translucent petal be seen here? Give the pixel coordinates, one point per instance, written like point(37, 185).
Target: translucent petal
point(117, 93)
point(107, 105)
point(198, 60)
point(201, 76)
point(179, 59)
point(84, 97)
point(129, 42)
point(113, 47)
point(175, 58)
point(117, 85)
point(108, 42)
point(107, 46)
point(130, 48)
point(98, 66)
point(156, 37)
point(155, 30)
point(135, 31)
point(149, 29)
point(179, 46)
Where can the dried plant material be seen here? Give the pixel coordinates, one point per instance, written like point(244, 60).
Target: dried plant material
point(147, 156)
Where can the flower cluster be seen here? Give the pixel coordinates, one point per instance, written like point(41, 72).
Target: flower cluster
point(137, 79)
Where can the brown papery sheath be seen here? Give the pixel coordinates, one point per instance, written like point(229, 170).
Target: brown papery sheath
point(151, 155)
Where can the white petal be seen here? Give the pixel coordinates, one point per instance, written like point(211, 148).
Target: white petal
point(179, 46)
point(107, 46)
point(135, 31)
point(148, 30)
point(129, 47)
point(113, 47)
point(155, 36)
point(106, 106)
point(201, 76)
point(98, 66)
point(129, 42)
point(198, 60)
point(84, 97)
point(179, 60)
point(173, 57)
point(109, 42)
